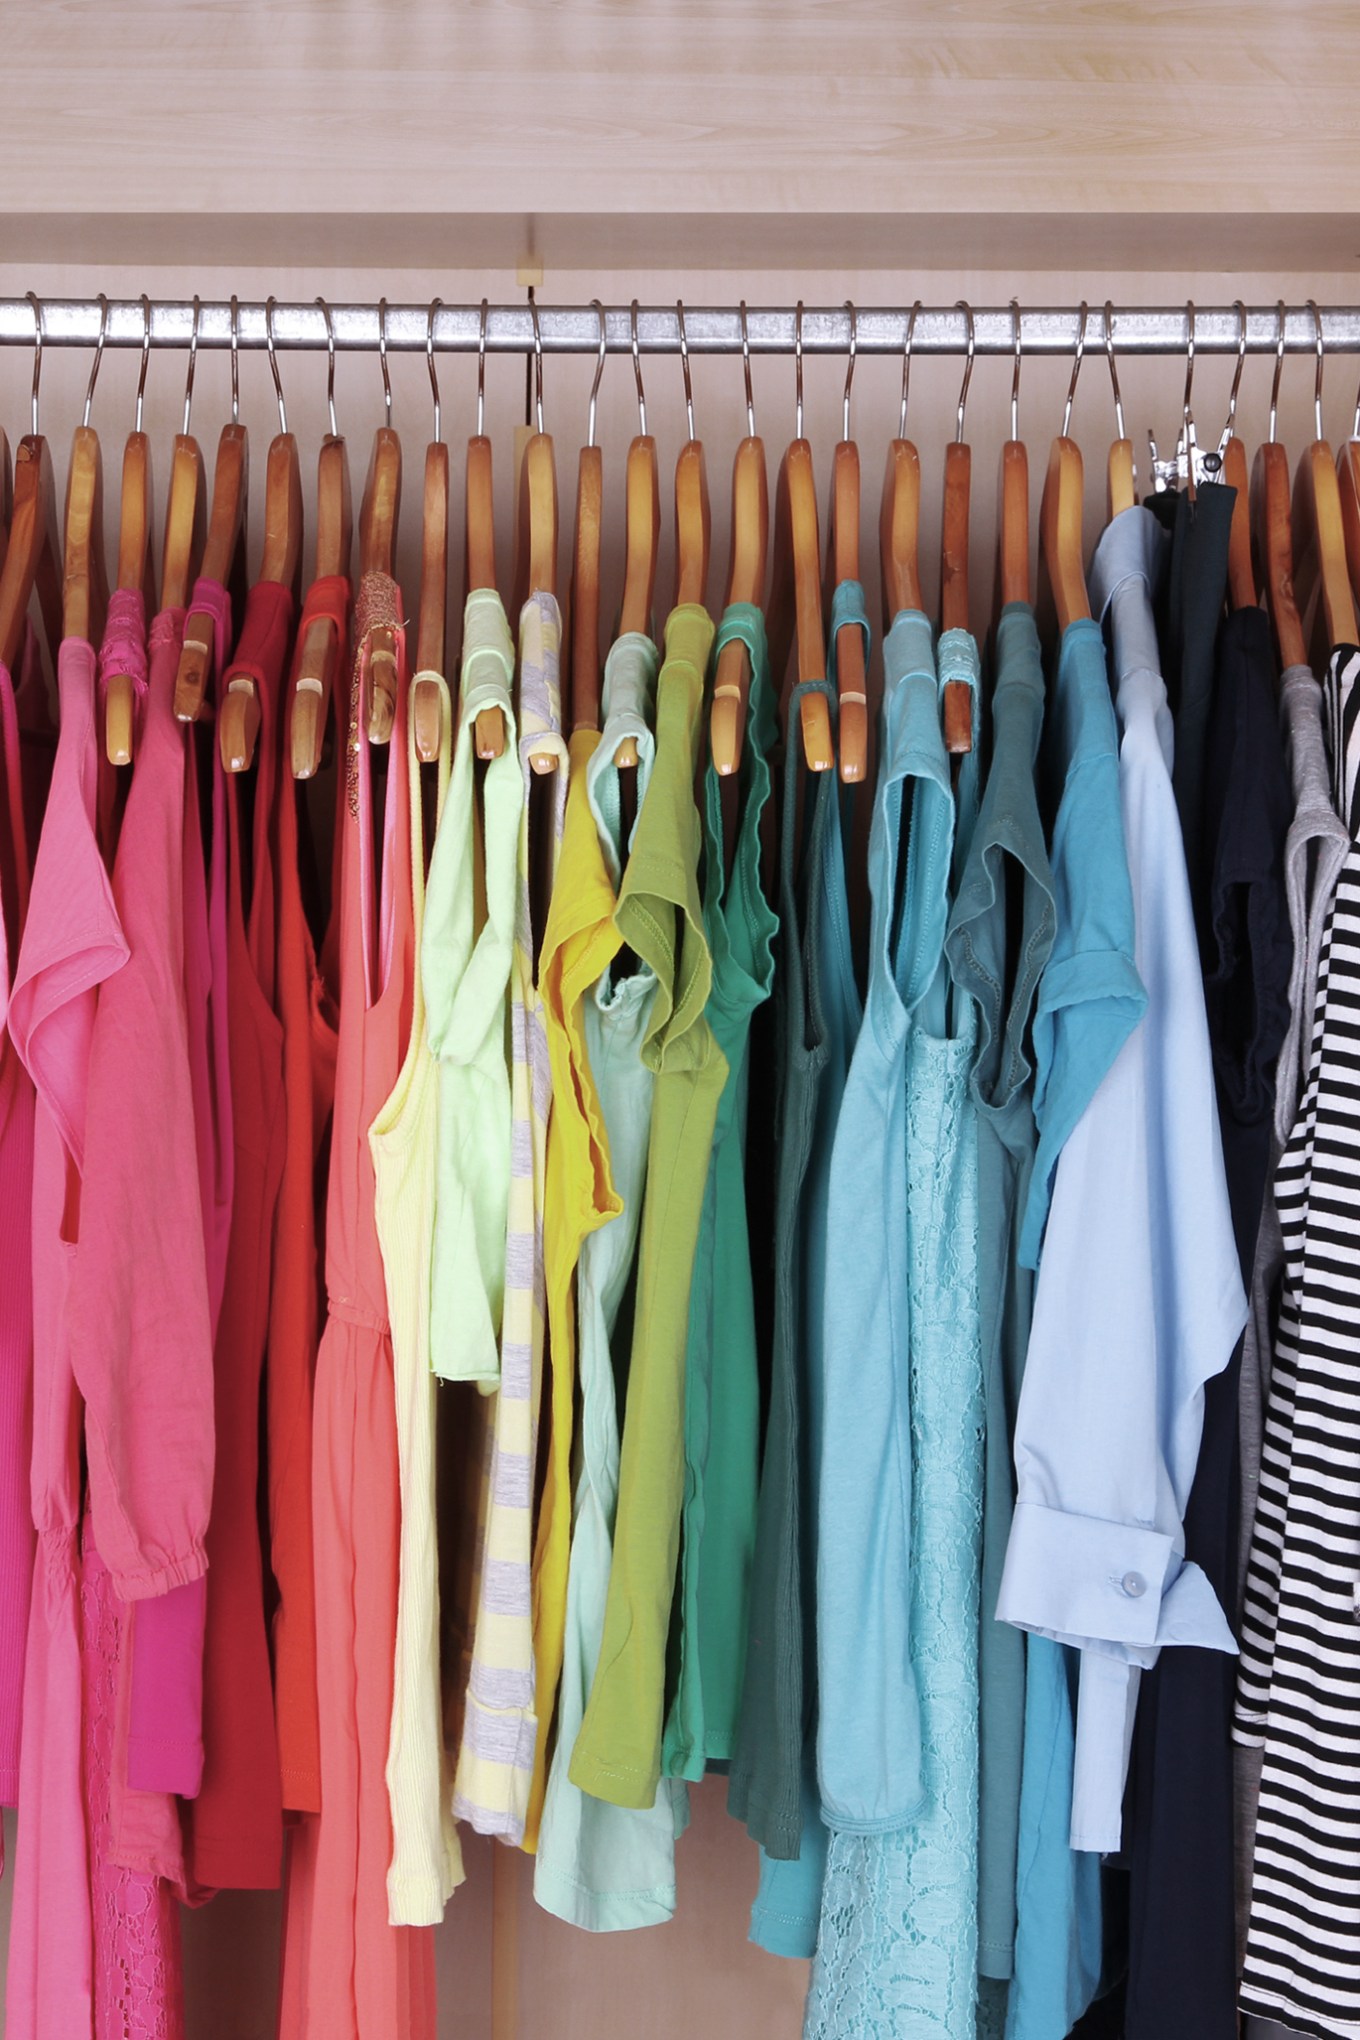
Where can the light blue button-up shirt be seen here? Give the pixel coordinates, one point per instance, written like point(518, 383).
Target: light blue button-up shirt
point(1139, 1299)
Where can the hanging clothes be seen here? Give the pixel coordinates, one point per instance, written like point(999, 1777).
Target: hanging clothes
point(305, 997)
point(348, 1974)
point(1299, 1634)
point(898, 1938)
point(660, 916)
point(998, 944)
point(601, 1866)
point(722, 1383)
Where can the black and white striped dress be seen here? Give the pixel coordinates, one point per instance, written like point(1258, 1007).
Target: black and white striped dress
point(1299, 1678)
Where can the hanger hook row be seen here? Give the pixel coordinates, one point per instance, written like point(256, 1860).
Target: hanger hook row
point(684, 366)
point(1015, 372)
point(435, 304)
point(269, 304)
point(330, 364)
point(36, 304)
point(1114, 372)
point(599, 373)
point(193, 359)
point(235, 361)
point(906, 368)
point(849, 368)
point(94, 365)
point(1076, 366)
point(967, 310)
point(637, 368)
point(746, 372)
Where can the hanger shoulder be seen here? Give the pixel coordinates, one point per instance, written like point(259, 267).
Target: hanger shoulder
point(693, 524)
point(642, 489)
point(1013, 539)
point(377, 555)
point(585, 592)
point(1119, 478)
point(1348, 486)
point(899, 530)
point(136, 571)
point(426, 708)
point(1061, 535)
point(958, 470)
point(1242, 593)
point(1274, 545)
point(318, 653)
point(184, 523)
point(479, 539)
point(745, 583)
point(222, 550)
point(1318, 507)
point(282, 557)
point(334, 509)
point(800, 491)
point(538, 541)
point(84, 591)
point(843, 562)
point(32, 552)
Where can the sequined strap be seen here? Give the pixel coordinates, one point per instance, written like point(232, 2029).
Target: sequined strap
point(122, 655)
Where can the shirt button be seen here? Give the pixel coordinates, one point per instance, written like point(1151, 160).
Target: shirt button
point(1134, 1585)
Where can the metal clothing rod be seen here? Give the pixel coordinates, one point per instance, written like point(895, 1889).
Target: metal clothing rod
point(709, 329)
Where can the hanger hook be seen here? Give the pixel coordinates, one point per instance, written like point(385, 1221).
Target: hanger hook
point(235, 361)
point(1114, 372)
point(1227, 431)
point(798, 366)
point(746, 372)
point(382, 357)
point(599, 373)
point(146, 356)
point(1279, 365)
point(1317, 373)
point(849, 368)
point(98, 355)
point(435, 304)
point(1187, 416)
point(637, 368)
point(906, 368)
point(1076, 367)
point(193, 358)
point(37, 353)
point(481, 369)
point(273, 360)
point(330, 364)
point(538, 361)
point(1015, 372)
point(967, 310)
point(684, 366)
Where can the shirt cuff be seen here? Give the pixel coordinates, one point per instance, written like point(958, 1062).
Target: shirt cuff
point(1121, 1588)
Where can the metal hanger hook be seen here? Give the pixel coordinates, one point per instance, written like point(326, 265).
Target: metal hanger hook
point(746, 372)
point(1187, 416)
point(1279, 365)
point(146, 356)
point(798, 366)
point(269, 304)
point(330, 364)
point(1227, 431)
point(1317, 373)
point(37, 353)
point(967, 310)
point(637, 368)
point(235, 361)
point(481, 369)
point(684, 367)
point(1114, 372)
point(1015, 372)
point(94, 365)
point(849, 368)
point(906, 368)
point(193, 359)
point(538, 362)
point(599, 374)
point(435, 304)
point(382, 357)
point(1076, 366)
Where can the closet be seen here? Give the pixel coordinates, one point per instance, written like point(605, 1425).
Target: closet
point(379, 171)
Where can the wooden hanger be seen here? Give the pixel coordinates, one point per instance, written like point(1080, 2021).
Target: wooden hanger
point(378, 517)
point(280, 562)
point(136, 566)
point(319, 654)
point(745, 582)
point(84, 571)
point(642, 494)
point(1013, 575)
point(479, 530)
point(1272, 534)
point(585, 566)
point(1242, 590)
point(31, 555)
point(426, 705)
point(1348, 484)
point(536, 565)
point(899, 521)
point(796, 597)
point(224, 545)
point(1062, 542)
point(693, 521)
point(842, 563)
point(1319, 524)
point(1120, 479)
point(954, 613)
point(184, 502)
